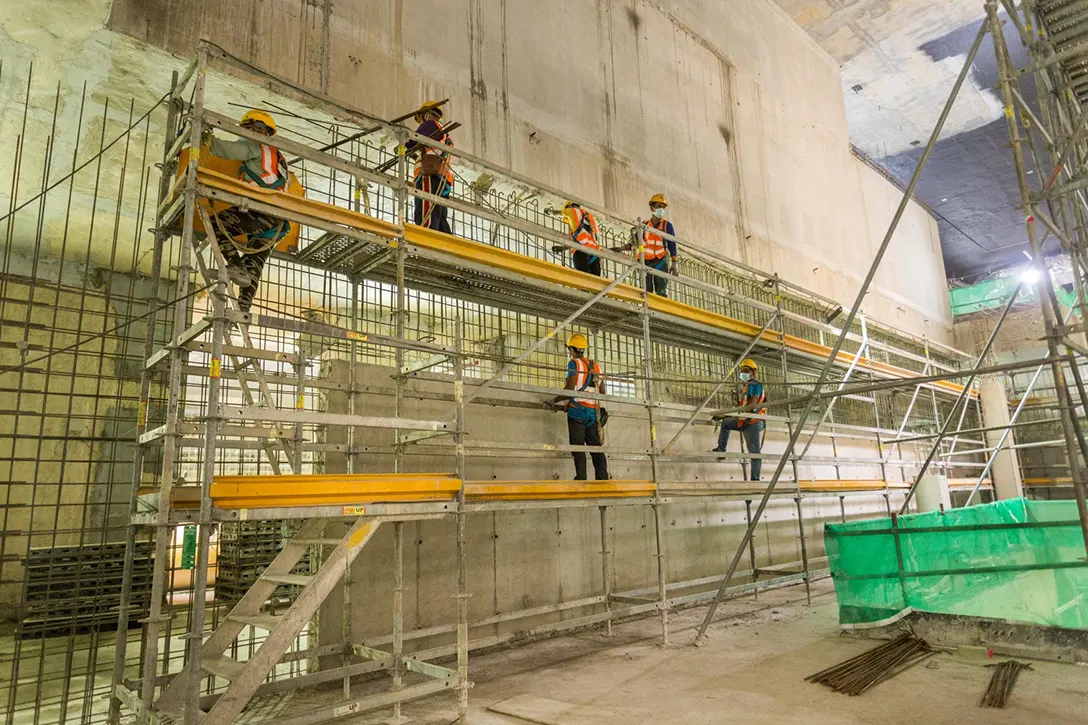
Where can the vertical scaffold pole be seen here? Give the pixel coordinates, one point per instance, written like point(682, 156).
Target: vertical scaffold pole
point(648, 374)
point(212, 423)
point(854, 309)
point(160, 237)
point(463, 683)
point(1005, 73)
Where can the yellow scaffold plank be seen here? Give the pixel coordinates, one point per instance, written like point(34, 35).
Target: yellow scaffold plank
point(555, 490)
point(503, 259)
point(246, 492)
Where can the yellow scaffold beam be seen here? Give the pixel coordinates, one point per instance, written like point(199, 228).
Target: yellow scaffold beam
point(547, 490)
point(496, 258)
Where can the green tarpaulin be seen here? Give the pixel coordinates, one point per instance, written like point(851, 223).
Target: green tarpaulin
point(1019, 560)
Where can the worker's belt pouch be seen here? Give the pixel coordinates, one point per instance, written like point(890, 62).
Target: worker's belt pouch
point(604, 416)
point(431, 164)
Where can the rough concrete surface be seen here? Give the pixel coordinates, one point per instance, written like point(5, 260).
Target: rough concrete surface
point(729, 109)
point(752, 670)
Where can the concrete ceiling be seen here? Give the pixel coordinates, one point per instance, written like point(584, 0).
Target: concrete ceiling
point(899, 60)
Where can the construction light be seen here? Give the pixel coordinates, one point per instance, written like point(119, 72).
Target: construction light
point(1029, 276)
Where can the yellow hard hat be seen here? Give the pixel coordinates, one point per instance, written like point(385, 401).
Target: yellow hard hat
point(578, 340)
point(568, 204)
point(428, 106)
point(749, 363)
point(658, 199)
point(255, 116)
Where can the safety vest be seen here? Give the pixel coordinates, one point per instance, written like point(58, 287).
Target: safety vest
point(272, 173)
point(587, 375)
point(653, 243)
point(747, 400)
point(585, 228)
point(447, 168)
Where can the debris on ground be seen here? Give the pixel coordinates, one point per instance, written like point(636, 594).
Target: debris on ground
point(1001, 683)
point(858, 674)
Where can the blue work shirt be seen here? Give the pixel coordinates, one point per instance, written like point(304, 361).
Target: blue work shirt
point(585, 411)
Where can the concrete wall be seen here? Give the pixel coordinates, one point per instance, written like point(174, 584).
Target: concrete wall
point(728, 108)
point(525, 559)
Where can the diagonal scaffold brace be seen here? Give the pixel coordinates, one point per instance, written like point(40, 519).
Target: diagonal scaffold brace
point(813, 397)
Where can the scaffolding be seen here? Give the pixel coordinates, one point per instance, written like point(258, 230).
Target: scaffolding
point(717, 308)
point(224, 392)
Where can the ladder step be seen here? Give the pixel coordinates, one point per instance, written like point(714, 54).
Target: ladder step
point(223, 667)
point(261, 621)
point(294, 579)
point(316, 542)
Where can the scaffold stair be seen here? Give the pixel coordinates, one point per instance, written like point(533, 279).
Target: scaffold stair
point(245, 677)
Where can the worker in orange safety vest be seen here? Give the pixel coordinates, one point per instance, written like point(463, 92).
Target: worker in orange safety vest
point(657, 252)
point(433, 173)
point(265, 166)
point(585, 416)
point(584, 231)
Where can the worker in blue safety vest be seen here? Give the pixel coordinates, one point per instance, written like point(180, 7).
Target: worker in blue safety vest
point(751, 428)
point(585, 416)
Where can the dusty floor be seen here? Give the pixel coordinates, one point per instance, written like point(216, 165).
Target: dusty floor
point(751, 671)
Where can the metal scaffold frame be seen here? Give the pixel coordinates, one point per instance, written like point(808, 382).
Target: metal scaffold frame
point(407, 257)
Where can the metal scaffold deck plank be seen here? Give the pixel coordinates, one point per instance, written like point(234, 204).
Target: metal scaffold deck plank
point(541, 271)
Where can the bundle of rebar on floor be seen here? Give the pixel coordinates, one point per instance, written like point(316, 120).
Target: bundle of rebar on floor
point(858, 674)
point(1001, 683)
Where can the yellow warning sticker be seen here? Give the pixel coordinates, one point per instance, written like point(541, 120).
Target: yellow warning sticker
point(216, 368)
point(141, 416)
point(301, 402)
point(351, 335)
point(653, 432)
point(353, 510)
point(194, 154)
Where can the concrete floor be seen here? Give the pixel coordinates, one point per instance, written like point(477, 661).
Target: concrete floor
point(751, 671)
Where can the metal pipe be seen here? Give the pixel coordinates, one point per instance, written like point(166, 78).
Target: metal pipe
point(961, 399)
point(854, 309)
point(706, 401)
point(1006, 75)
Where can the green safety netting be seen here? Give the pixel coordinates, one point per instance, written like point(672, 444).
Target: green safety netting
point(995, 293)
point(1017, 559)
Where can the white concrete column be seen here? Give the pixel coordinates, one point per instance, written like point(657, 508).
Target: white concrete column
point(995, 412)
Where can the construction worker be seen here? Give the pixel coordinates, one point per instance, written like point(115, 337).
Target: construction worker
point(433, 171)
point(264, 166)
point(751, 428)
point(584, 231)
point(584, 417)
point(660, 253)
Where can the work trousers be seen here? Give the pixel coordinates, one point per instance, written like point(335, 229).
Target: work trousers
point(583, 434)
point(753, 438)
point(439, 215)
point(655, 284)
point(260, 231)
point(582, 263)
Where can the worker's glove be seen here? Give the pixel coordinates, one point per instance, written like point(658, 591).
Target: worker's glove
point(740, 424)
point(674, 266)
point(559, 249)
point(205, 136)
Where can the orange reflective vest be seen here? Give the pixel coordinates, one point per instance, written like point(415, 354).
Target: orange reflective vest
point(653, 243)
point(447, 168)
point(272, 172)
point(751, 398)
point(587, 376)
point(585, 228)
